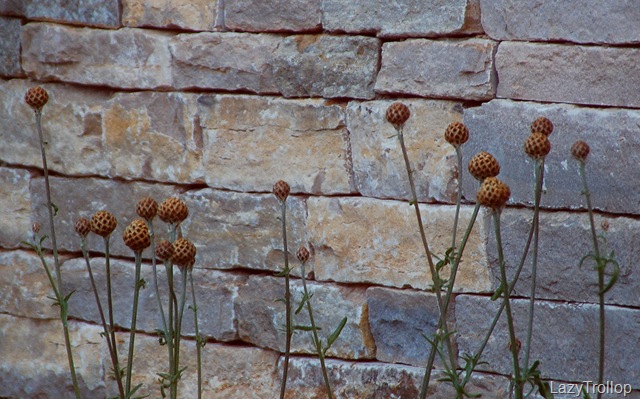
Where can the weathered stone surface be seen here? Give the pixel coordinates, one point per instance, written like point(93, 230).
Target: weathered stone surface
point(15, 213)
point(560, 331)
point(365, 380)
point(224, 61)
point(101, 13)
point(301, 67)
point(456, 68)
point(401, 18)
point(273, 16)
point(399, 321)
point(236, 230)
point(10, 47)
point(97, 57)
point(182, 14)
point(378, 164)
point(153, 136)
point(77, 198)
point(576, 21)
point(33, 359)
point(501, 127)
point(361, 240)
point(571, 74)
point(261, 319)
point(250, 143)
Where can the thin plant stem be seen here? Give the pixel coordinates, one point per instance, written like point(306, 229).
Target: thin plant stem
point(155, 279)
point(199, 341)
point(287, 302)
point(112, 332)
point(134, 317)
point(174, 348)
point(458, 198)
point(181, 305)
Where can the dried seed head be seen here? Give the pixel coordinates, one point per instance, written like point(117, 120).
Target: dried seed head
point(302, 254)
point(164, 250)
point(147, 208)
point(580, 150)
point(83, 227)
point(35, 228)
point(36, 97)
point(537, 145)
point(542, 125)
point(136, 235)
point(484, 165)
point(173, 210)
point(456, 134)
point(184, 253)
point(493, 193)
point(281, 190)
point(397, 114)
point(103, 223)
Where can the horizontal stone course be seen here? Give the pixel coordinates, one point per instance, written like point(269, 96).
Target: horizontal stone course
point(181, 14)
point(99, 13)
point(10, 47)
point(272, 16)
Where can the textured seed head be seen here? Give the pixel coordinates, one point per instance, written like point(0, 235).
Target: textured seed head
point(136, 235)
point(103, 223)
point(542, 125)
point(281, 190)
point(493, 193)
point(35, 228)
point(484, 165)
point(580, 150)
point(173, 210)
point(164, 250)
point(302, 254)
point(147, 208)
point(456, 134)
point(537, 145)
point(397, 114)
point(83, 227)
point(36, 97)
point(184, 253)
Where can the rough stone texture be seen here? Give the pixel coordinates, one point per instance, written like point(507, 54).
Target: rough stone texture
point(224, 61)
point(182, 14)
point(15, 213)
point(501, 127)
point(378, 164)
point(100, 13)
point(237, 230)
point(125, 58)
point(565, 73)
point(155, 136)
point(261, 319)
point(538, 20)
point(77, 198)
point(10, 47)
point(565, 238)
point(560, 331)
point(302, 142)
point(302, 67)
point(33, 360)
point(364, 380)
point(361, 240)
point(456, 68)
point(399, 322)
point(273, 16)
point(401, 18)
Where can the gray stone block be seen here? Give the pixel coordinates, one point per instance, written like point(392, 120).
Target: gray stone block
point(99, 13)
point(273, 16)
point(10, 47)
point(15, 213)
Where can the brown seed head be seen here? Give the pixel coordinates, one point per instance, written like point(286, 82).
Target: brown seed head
point(580, 150)
point(456, 134)
point(83, 227)
point(147, 208)
point(542, 125)
point(103, 223)
point(35, 228)
point(537, 145)
point(493, 193)
point(136, 235)
point(36, 97)
point(164, 250)
point(397, 114)
point(484, 165)
point(281, 190)
point(302, 254)
point(173, 210)
point(184, 253)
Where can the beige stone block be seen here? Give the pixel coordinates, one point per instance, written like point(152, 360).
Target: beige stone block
point(181, 14)
point(15, 212)
point(250, 143)
point(361, 240)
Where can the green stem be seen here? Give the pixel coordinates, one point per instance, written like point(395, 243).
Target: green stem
point(181, 305)
point(174, 348)
point(199, 341)
point(458, 198)
point(155, 280)
point(112, 332)
point(287, 302)
point(134, 318)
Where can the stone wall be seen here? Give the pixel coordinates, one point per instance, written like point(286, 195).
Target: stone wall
point(215, 101)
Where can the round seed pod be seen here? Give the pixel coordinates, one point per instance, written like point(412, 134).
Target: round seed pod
point(103, 223)
point(397, 114)
point(147, 208)
point(35, 228)
point(83, 227)
point(537, 145)
point(580, 150)
point(483, 165)
point(302, 254)
point(542, 125)
point(184, 253)
point(173, 210)
point(36, 97)
point(456, 134)
point(281, 190)
point(164, 250)
point(136, 235)
point(493, 193)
